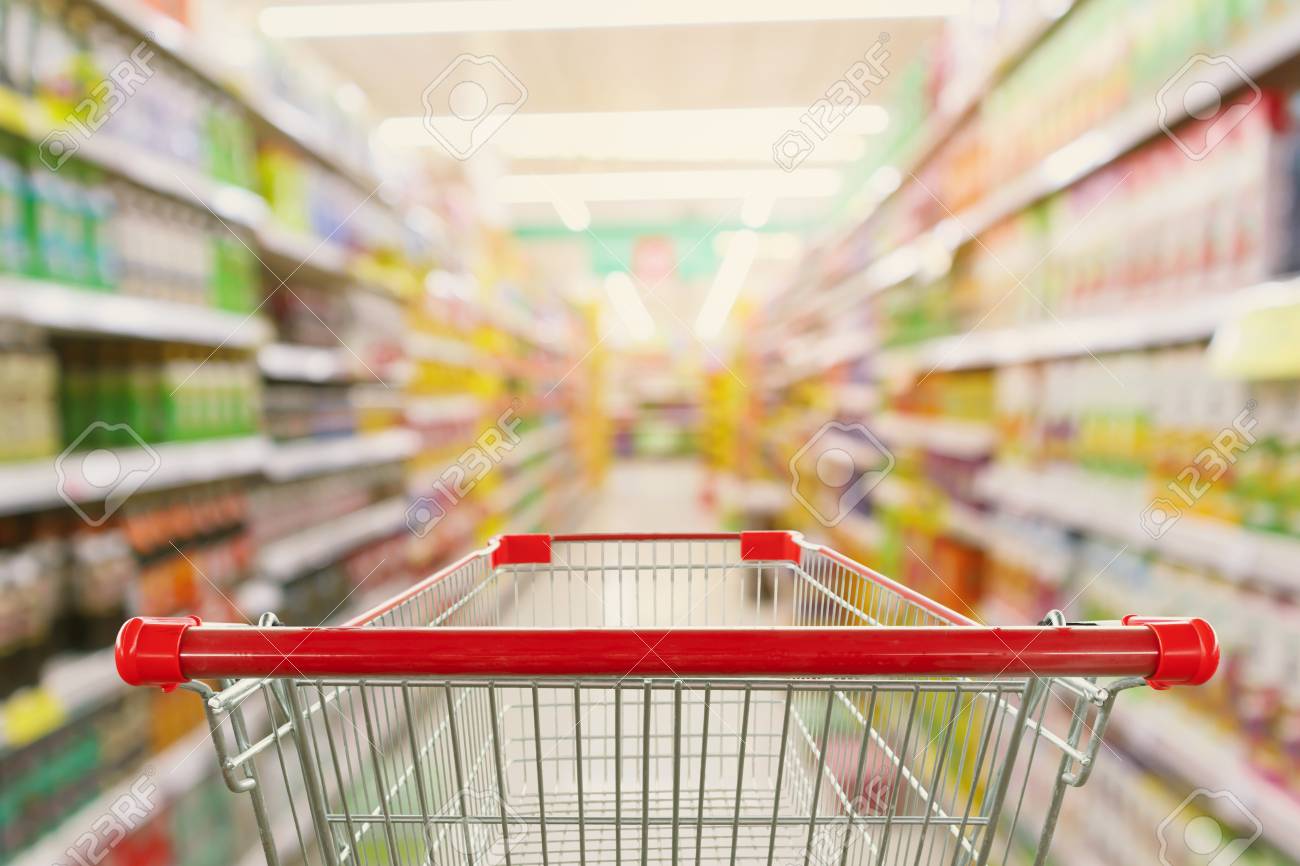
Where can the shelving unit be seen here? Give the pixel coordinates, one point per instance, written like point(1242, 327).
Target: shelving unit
point(294, 363)
point(85, 311)
point(1092, 335)
point(956, 438)
point(173, 772)
point(46, 483)
point(320, 545)
point(1178, 744)
point(314, 456)
point(1257, 55)
point(1113, 508)
point(366, 418)
point(183, 48)
point(921, 304)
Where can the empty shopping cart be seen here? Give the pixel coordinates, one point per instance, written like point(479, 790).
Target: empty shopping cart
point(736, 698)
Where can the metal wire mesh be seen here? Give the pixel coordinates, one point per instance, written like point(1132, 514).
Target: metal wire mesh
point(662, 770)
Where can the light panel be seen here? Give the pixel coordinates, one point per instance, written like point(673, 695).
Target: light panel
point(340, 20)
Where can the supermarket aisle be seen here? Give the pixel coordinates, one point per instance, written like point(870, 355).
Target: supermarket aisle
point(651, 496)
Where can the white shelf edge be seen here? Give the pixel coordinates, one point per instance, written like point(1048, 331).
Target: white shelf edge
point(537, 440)
point(1194, 752)
point(1075, 160)
point(434, 410)
point(233, 204)
point(186, 49)
point(320, 545)
point(296, 459)
point(947, 120)
point(289, 362)
point(1114, 508)
point(321, 255)
point(861, 530)
point(85, 310)
point(953, 438)
point(1192, 321)
point(36, 484)
point(427, 347)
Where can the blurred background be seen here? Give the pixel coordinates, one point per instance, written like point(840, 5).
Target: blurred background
point(299, 302)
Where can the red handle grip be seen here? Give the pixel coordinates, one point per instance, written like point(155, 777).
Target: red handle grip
point(1166, 652)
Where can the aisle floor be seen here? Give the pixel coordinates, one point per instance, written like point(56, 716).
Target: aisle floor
point(651, 496)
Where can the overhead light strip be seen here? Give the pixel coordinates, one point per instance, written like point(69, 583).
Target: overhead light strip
point(667, 185)
point(340, 20)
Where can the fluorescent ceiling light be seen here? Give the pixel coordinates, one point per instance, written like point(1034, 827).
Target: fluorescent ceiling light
point(667, 185)
point(317, 20)
point(627, 304)
point(885, 180)
point(757, 210)
point(727, 284)
point(772, 246)
point(723, 135)
point(574, 214)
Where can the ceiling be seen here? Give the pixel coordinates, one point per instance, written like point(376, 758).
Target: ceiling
point(647, 103)
point(781, 67)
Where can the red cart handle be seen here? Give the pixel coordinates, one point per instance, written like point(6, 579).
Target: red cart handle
point(1167, 652)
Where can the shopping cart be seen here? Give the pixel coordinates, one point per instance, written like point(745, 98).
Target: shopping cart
point(709, 698)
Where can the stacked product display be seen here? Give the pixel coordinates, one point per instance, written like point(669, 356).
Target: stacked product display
point(1037, 420)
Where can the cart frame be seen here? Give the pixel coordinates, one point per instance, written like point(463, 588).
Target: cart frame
point(811, 699)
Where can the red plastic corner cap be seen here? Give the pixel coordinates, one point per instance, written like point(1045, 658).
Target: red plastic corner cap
point(1189, 650)
point(521, 549)
point(769, 545)
point(148, 650)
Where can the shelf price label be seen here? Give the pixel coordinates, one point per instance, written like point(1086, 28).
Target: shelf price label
point(1258, 344)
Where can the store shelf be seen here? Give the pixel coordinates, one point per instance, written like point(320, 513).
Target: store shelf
point(1114, 508)
point(1122, 331)
point(288, 362)
point(968, 440)
point(182, 46)
point(959, 101)
point(87, 311)
point(533, 442)
point(751, 497)
point(71, 682)
point(442, 350)
point(52, 481)
point(1175, 742)
point(176, 770)
point(860, 532)
point(957, 104)
point(1090, 151)
point(288, 460)
point(234, 205)
point(856, 398)
point(325, 543)
point(296, 251)
point(441, 410)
